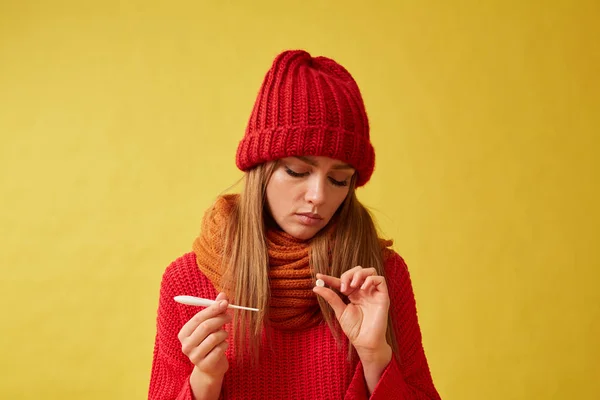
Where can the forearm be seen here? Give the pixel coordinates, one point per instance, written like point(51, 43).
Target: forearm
point(374, 363)
point(205, 387)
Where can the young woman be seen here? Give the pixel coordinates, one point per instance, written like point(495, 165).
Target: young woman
point(355, 335)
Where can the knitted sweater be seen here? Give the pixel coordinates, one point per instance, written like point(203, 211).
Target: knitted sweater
point(302, 364)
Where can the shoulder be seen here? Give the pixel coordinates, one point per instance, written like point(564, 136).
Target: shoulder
point(183, 277)
point(182, 268)
point(394, 263)
point(396, 271)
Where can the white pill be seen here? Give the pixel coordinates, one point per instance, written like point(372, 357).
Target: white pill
point(320, 282)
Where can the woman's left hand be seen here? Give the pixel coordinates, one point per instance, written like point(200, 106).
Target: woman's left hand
point(364, 319)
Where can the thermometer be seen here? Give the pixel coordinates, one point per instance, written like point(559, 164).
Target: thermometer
point(197, 301)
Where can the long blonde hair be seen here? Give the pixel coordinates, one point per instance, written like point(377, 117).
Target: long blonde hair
point(246, 264)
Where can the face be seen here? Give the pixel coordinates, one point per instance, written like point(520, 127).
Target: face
point(304, 193)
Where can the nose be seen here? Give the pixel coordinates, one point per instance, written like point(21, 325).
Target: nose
point(315, 190)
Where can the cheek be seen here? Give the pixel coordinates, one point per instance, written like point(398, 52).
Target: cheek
point(277, 195)
point(337, 200)
point(271, 196)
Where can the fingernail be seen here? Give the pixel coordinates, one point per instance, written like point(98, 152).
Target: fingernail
point(343, 287)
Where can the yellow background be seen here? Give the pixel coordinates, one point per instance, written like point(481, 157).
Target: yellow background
point(119, 123)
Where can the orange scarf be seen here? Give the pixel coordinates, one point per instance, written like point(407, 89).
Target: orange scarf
point(293, 303)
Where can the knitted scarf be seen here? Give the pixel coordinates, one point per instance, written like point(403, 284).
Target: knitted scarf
point(292, 303)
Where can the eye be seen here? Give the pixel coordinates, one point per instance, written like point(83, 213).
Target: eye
point(294, 173)
point(338, 183)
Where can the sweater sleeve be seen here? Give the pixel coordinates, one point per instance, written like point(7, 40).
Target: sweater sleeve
point(171, 369)
point(407, 376)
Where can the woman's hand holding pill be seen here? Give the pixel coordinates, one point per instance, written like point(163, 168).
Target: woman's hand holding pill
point(364, 319)
point(204, 341)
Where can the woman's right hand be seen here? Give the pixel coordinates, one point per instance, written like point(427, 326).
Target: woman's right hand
point(204, 341)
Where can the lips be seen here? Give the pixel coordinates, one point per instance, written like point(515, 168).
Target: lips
point(311, 215)
point(309, 219)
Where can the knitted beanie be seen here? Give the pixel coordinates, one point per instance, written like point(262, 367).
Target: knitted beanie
point(308, 106)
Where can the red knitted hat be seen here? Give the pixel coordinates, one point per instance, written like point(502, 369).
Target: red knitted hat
point(308, 106)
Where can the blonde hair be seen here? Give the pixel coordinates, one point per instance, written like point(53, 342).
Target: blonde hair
point(355, 241)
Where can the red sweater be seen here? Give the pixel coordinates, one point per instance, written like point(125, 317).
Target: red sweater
point(303, 364)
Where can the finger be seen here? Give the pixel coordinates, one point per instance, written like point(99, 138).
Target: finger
point(206, 328)
point(346, 278)
point(330, 281)
point(213, 357)
point(209, 312)
point(332, 299)
point(376, 282)
point(198, 353)
point(221, 296)
point(359, 277)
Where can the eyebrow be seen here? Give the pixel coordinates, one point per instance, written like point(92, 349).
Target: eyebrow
point(314, 163)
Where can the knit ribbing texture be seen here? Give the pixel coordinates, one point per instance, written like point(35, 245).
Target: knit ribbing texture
point(295, 364)
point(293, 304)
point(308, 106)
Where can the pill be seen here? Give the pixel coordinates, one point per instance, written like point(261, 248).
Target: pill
point(320, 282)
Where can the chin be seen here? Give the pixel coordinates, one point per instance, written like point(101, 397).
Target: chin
point(302, 232)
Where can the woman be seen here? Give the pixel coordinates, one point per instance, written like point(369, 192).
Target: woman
point(305, 151)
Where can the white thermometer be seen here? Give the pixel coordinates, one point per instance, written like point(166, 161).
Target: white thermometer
point(197, 301)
